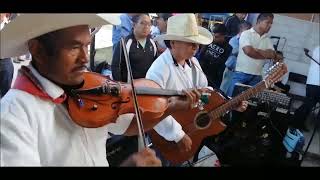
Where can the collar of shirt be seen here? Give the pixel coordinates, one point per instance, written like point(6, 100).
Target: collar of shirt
point(255, 32)
point(175, 61)
point(53, 90)
point(238, 36)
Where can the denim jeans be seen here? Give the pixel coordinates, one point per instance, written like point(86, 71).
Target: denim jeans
point(6, 75)
point(243, 78)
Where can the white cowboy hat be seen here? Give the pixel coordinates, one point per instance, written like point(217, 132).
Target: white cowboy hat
point(183, 27)
point(16, 34)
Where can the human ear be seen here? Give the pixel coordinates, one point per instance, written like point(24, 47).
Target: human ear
point(37, 51)
point(172, 43)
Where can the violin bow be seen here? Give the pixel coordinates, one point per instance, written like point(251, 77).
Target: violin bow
point(141, 138)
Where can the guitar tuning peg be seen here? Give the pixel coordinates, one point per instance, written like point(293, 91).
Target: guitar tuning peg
point(272, 66)
point(270, 69)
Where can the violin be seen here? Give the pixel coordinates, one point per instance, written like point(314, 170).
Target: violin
point(101, 100)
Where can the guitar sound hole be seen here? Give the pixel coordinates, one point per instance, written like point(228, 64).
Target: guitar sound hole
point(202, 120)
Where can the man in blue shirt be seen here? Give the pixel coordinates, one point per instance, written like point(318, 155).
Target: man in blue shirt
point(232, 60)
point(124, 29)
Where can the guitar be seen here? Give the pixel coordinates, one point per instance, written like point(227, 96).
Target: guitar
point(199, 124)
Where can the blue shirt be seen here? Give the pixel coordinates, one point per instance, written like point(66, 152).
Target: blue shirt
point(232, 60)
point(155, 31)
point(122, 30)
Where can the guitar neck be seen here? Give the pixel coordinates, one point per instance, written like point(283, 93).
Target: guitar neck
point(218, 112)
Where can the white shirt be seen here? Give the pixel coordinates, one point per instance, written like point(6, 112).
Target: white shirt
point(245, 63)
point(314, 69)
point(169, 76)
point(3, 23)
point(37, 132)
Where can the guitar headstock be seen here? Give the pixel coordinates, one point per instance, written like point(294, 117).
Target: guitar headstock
point(275, 73)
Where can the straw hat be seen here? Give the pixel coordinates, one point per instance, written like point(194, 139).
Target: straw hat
point(183, 27)
point(15, 35)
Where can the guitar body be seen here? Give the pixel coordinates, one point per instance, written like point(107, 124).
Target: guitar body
point(199, 124)
point(196, 124)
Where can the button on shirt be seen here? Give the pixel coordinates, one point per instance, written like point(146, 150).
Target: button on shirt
point(169, 76)
point(245, 63)
point(38, 132)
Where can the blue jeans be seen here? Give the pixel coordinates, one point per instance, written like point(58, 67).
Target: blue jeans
point(6, 75)
point(243, 78)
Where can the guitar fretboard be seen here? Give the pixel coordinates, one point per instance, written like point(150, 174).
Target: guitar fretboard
point(218, 112)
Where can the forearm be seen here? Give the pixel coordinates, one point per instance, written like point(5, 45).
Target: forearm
point(258, 54)
point(254, 53)
point(266, 54)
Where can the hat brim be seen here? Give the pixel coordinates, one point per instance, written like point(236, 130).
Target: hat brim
point(204, 37)
point(16, 34)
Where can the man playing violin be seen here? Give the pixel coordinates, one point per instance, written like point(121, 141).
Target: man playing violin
point(177, 68)
point(36, 129)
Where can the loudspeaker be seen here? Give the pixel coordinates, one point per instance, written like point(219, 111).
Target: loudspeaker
point(254, 138)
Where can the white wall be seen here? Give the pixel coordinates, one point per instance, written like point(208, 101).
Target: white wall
point(299, 34)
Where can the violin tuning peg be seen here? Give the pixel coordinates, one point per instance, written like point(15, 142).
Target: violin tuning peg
point(80, 103)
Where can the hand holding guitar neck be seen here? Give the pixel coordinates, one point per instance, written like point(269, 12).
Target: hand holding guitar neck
point(278, 57)
point(275, 74)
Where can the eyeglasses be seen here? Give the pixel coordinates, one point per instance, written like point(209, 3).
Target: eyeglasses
point(145, 24)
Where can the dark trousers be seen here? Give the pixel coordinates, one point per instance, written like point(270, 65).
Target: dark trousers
point(6, 75)
point(312, 97)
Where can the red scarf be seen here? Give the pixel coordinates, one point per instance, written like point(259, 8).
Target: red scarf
point(27, 82)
